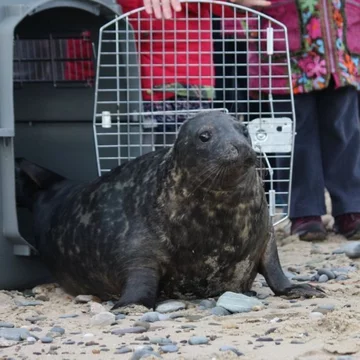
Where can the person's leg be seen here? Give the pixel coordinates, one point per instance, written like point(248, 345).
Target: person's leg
point(340, 146)
point(307, 192)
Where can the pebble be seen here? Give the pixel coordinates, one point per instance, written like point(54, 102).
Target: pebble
point(88, 335)
point(120, 317)
point(8, 325)
point(338, 251)
point(352, 250)
point(346, 357)
point(170, 306)
point(316, 315)
point(96, 308)
point(57, 329)
point(275, 320)
point(46, 340)
point(84, 299)
point(207, 304)
point(237, 303)
point(31, 340)
point(198, 340)
point(323, 278)
point(141, 354)
point(15, 334)
point(219, 311)
point(265, 338)
point(103, 319)
point(123, 350)
point(132, 330)
point(150, 317)
point(143, 324)
point(68, 316)
point(171, 348)
point(21, 302)
point(327, 272)
point(231, 348)
point(329, 307)
point(160, 341)
point(69, 342)
point(302, 278)
point(297, 342)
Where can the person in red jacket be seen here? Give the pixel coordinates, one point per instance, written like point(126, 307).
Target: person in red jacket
point(176, 57)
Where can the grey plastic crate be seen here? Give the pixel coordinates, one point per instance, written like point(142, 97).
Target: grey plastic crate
point(43, 117)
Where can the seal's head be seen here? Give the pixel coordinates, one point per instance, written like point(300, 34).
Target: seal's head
point(215, 148)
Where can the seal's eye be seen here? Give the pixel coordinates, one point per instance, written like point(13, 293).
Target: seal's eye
point(205, 136)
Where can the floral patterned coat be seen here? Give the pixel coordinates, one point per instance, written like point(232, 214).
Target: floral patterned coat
point(324, 40)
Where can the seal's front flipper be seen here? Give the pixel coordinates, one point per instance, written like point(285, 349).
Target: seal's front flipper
point(141, 288)
point(271, 269)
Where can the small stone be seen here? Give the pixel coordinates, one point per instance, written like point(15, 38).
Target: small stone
point(219, 311)
point(207, 303)
point(120, 317)
point(323, 278)
point(338, 251)
point(237, 303)
point(143, 324)
point(160, 341)
point(289, 274)
point(95, 351)
point(8, 325)
point(88, 335)
point(133, 330)
point(142, 338)
point(14, 334)
point(231, 348)
point(96, 308)
point(326, 272)
point(68, 316)
point(143, 353)
point(31, 340)
point(170, 306)
point(57, 329)
point(84, 299)
point(346, 357)
point(91, 343)
point(302, 278)
point(123, 350)
point(22, 302)
point(102, 319)
point(150, 317)
point(316, 315)
point(46, 340)
point(69, 342)
point(352, 250)
point(265, 338)
point(329, 307)
point(34, 319)
point(171, 348)
point(198, 340)
point(297, 342)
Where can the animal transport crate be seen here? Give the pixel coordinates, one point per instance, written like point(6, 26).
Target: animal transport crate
point(47, 74)
point(72, 102)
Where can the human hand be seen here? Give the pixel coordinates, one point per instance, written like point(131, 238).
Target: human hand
point(163, 10)
point(251, 3)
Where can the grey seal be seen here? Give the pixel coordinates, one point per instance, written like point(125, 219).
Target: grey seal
point(188, 221)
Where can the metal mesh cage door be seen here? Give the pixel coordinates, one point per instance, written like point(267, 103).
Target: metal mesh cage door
point(153, 74)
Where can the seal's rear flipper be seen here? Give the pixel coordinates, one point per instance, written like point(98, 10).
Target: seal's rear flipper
point(31, 178)
point(271, 269)
point(141, 289)
point(42, 177)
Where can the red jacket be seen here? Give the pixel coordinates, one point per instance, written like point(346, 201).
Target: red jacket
point(184, 56)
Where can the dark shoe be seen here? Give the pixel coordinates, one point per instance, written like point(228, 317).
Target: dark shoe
point(308, 228)
point(348, 225)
